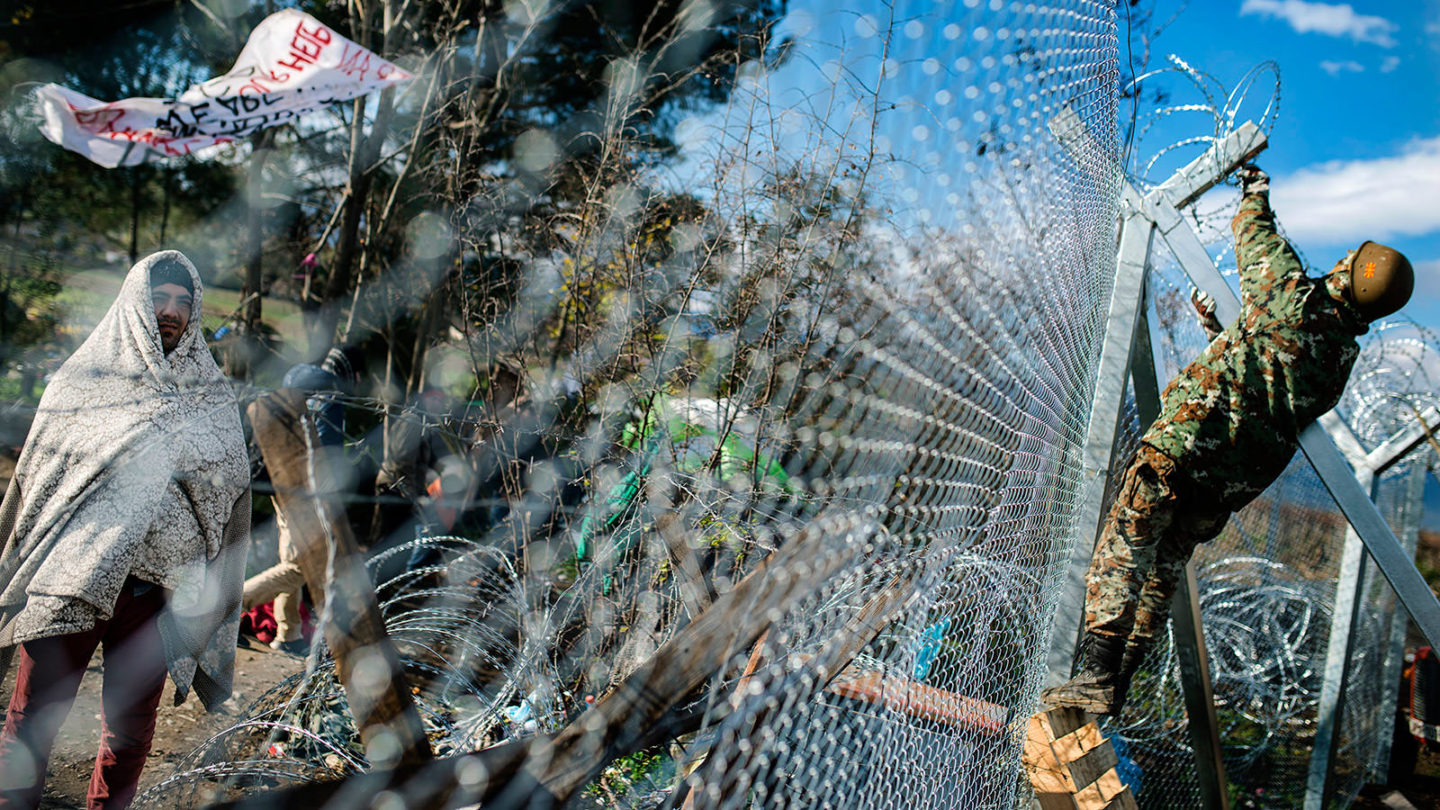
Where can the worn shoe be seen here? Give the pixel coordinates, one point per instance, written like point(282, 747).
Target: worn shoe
point(299, 647)
point(1096, 685)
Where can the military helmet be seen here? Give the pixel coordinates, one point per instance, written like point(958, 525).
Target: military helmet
point(1381, 280)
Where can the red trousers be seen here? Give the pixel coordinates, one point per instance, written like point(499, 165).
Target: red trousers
point(47, 677)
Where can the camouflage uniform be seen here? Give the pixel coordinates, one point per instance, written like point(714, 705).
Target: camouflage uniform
point(1229, 426)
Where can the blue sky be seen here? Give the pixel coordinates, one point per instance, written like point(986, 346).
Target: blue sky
point(1355, 148)
point(1355, 151)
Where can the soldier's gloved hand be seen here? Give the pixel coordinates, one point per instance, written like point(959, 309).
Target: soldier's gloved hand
point(1205, 307)
point(1253, 180)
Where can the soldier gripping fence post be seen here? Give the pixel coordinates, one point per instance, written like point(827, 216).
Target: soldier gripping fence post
point(1229, 425)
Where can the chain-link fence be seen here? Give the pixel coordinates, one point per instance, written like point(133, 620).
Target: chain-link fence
point(781, 485)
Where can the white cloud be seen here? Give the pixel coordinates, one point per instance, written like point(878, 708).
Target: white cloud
point(1427, 280)
point(1389, 65)
point(1326, 18)
point(1336, 68)
point(1349, 201)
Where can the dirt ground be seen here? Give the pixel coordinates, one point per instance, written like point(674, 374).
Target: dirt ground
point(178, 730)
point(1421, 790)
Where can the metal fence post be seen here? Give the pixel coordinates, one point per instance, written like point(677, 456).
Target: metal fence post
point(1395, 650)
point(1349, 595)
point(1136, 234)
point(1185, 618)
point(1194, 660)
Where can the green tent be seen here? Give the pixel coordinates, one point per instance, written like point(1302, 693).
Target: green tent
point(682, 434)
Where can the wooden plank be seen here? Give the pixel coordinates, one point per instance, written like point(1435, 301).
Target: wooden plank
point(1097, 794)
point(734, 621)
point(1055, 801)
point(1074, 745)
point(1094, 764)
point(1047, 774)
point(919, 700)
point(695, 759)
point(1074, 770)
point(1124, 800)
point(815, 674)
point(365, 659)
point(1065, 719)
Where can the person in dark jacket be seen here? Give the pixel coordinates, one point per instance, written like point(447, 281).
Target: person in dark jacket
point(281, 583)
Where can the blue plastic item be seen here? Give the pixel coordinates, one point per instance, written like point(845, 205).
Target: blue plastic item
point(1126, 768)
point(929, 648)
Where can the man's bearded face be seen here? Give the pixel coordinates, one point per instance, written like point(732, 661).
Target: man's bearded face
point(172, 313)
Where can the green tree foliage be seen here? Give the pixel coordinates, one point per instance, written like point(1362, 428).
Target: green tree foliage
point(521, 117)
point(108, 51)
point(28, 289)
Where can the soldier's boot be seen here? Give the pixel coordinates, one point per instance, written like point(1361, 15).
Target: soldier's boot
point(1135, 654)
point(1095, 687)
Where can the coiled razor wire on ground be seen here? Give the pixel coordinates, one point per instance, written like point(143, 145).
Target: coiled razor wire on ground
point(1263, 627)
point(453, 626)
point(889, 310)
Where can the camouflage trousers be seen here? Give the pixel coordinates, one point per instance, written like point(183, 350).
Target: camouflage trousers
point(1152, 530)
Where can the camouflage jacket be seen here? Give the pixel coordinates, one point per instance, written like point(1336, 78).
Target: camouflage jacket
point(1231, 418)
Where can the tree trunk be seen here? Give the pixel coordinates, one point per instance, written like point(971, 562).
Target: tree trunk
point(165, 205)
point(134, 215)
point(364, 152)
point(255, 240)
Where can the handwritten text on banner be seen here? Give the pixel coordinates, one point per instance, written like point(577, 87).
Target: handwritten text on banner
point(291, 65)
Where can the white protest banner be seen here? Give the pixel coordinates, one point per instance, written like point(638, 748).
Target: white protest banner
point(291, 65)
